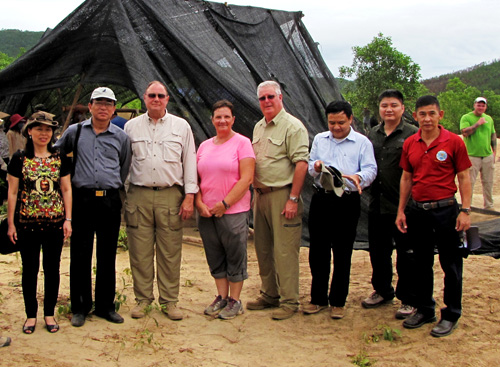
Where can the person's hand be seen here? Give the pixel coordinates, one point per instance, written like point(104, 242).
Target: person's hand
point(203, 210)
point(291, 209)
point(318, 165)
point(187, 208)
point(218, 210)
point(67, 229)
point(481, 121)
point(12, 234)
point(463, 222)
point(356, 180)
point(401, 222)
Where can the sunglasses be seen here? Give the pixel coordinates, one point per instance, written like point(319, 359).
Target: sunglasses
point(160, 95)
point(103, 103)
point(270, 97)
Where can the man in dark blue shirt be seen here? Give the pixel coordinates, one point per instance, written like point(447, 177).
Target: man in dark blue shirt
point(102, 156)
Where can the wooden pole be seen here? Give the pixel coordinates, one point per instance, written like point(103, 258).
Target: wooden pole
point(75, 100)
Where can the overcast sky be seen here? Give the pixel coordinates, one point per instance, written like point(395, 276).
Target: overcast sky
point(440, 35)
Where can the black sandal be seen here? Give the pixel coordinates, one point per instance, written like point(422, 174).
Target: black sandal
point(54, 328)
point(29, 329)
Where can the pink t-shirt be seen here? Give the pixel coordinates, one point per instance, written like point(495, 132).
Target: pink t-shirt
point(219, 170)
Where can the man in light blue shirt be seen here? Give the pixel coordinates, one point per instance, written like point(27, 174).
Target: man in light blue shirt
point(333, 219)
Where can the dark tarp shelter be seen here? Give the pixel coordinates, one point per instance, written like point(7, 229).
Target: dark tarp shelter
point(203, 51)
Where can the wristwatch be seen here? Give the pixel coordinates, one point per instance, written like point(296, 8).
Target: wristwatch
point(465, 210)
point(295, 199)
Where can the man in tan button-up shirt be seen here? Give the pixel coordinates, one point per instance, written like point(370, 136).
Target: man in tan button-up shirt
point(281, 146)
point(163, 181)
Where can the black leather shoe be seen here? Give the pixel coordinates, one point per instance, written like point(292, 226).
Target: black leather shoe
point(111, 317)
point(417, 320)
point(444, 328)
point(78, 319)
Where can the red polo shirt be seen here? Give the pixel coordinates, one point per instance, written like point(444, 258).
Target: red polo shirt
point(434, 167)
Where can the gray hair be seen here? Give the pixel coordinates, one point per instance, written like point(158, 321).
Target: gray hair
point(269, 83)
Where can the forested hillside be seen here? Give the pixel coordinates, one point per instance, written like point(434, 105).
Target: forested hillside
point(11, 40)
point(485, 76)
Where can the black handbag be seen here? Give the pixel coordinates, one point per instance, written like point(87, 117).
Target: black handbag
point(6, 246)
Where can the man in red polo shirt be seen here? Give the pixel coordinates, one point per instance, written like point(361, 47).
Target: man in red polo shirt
point(430, 160)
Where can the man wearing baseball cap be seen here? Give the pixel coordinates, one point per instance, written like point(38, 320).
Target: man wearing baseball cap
point(481, 142)
point(101, 163)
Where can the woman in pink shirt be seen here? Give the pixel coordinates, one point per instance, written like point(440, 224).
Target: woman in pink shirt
point(226, 165)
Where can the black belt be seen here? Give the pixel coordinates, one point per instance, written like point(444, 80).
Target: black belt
point(154, 188)
point(321, 190)
point(435, 204)
point(267, 190)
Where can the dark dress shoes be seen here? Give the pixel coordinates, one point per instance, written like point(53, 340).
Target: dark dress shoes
point(110, 316)
point(444, 328)
point(417, 320)
point(78, 319)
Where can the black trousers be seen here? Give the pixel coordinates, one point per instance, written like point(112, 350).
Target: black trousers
point(332, 229)
point(99, 216)
point(427, 228)
point(51, 243)
point(382, 235)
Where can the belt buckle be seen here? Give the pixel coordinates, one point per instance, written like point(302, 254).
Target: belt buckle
point(100, 193)
point(427, 206)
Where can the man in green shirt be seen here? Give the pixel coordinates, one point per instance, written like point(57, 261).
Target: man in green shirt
point(481, 142)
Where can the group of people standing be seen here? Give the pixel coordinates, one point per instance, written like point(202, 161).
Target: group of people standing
point(52, 198)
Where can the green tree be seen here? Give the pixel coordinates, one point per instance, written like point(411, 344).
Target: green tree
point(5, 60)
point(379, 66)
point(456, 100)
point(493, 108)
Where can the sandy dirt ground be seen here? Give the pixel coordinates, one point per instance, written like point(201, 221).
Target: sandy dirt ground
point(253, 339)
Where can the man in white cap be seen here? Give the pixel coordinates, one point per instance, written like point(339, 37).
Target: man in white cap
point(481, 142)
point(101, 159)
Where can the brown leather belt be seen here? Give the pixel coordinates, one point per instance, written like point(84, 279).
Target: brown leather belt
point(267, 190)
point(435, 204)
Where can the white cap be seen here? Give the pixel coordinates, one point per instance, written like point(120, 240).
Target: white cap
point(481, 99)
point(103, 92)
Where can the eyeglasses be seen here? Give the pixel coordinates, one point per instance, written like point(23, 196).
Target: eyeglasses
point(270, 97)
point(160, 95)
point(104, 103)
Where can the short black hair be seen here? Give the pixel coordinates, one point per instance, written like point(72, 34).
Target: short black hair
point(427, 101)
point(222, 103)
point(391, 93)
point(337, 107)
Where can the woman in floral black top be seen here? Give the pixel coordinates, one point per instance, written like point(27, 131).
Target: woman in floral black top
point(39, 214)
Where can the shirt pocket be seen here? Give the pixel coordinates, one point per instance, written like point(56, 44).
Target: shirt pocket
point(140, 148)
point(172, 149)
point(275, 148)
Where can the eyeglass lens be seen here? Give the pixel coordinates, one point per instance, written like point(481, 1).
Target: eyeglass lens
point(153, 95)
point(270, 97)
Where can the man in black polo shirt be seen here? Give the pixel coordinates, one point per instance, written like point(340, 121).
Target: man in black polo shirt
point(103, 158)
point(387, 139)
